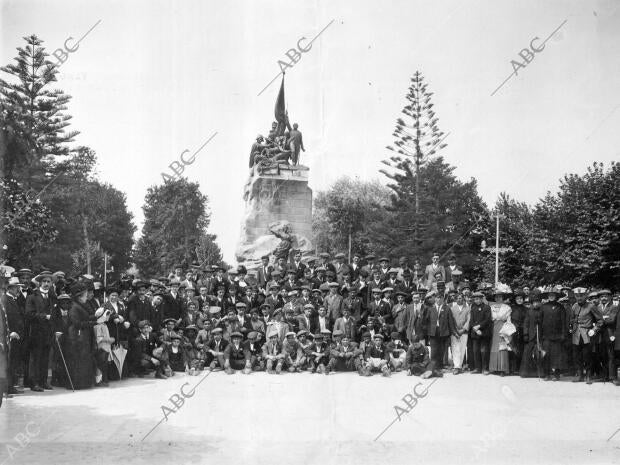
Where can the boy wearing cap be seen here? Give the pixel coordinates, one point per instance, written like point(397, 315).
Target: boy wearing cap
point(418, 361)
point(318, 354)
point(237, 355)
point(292, 351)
point(346, 324)
point(272, 352)
point(397, 351)
point(376, 357)
point(345, 356)
point(141, 353)
point(254, 347)
point(215, 351)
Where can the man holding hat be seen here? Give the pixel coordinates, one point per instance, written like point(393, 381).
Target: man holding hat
point(317, 354)
point(294, 358)
point(39, 307)
point(586, 322)
point(254, 348)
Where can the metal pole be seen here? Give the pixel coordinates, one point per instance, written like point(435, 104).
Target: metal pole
point(497, 251)
point(65, 364)
point(105, 275)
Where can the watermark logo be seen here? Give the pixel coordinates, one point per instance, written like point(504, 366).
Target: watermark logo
point(176, 402)
point(178, 166)
point(294, 55)
point(21, 440)
point(527, 54)
point(409, 402)
point(62, 54)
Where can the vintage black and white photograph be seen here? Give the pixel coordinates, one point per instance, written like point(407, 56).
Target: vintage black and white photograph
point(309, 232)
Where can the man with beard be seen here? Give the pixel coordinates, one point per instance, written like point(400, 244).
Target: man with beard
point(39, 307)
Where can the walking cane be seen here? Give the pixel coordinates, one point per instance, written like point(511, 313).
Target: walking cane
point(65, 364)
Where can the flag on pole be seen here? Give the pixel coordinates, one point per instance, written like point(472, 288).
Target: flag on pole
point(280, 110)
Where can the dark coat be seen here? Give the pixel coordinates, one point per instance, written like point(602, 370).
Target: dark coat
point(138, 310)
point(14, 314)
point(37, 310)
point(531, 322)
point(81, 346)
point(481, 315)
point(446, 321)
point(553, 325)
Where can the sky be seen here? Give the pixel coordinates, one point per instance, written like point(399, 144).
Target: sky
point(155, 78)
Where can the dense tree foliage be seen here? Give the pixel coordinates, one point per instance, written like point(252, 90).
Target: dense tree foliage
point(174, 232)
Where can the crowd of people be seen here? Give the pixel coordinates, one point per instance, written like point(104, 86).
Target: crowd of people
point(314, 314)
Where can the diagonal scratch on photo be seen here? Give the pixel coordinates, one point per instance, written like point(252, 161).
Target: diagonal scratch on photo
point(309, 232)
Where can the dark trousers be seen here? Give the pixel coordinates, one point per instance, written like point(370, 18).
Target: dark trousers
point(582, 356)
point(517, 352)
point(439, 347)
point(15, 362)
point(480, 356)
point(606, 356)
point(39, 361)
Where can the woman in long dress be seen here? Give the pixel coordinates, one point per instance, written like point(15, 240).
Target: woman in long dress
point(500, 313)
point(81, 345)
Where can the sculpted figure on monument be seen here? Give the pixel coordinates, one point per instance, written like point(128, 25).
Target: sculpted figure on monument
point(295, 142)
point(282, 231)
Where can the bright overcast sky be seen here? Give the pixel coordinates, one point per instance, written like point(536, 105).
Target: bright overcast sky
point(154, 78)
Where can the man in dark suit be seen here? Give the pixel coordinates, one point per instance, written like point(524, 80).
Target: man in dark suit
point(297, 265)
point(16, 333)
point(452, 266)
point(305, 320)
point(139, 308)
point(320, 322)
point(439, 327)
point(264, 273)
point(39, 307)
point(481, 329)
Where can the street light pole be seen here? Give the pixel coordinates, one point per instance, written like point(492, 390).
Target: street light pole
point(497, 251)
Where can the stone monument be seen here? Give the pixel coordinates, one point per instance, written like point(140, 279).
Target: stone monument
point(278, 201)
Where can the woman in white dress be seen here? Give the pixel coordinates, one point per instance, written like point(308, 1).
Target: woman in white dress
point(500, 314)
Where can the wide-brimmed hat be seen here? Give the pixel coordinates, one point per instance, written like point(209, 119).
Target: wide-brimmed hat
point(77, 289)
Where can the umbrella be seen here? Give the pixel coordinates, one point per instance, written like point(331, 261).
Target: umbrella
point(118, 357)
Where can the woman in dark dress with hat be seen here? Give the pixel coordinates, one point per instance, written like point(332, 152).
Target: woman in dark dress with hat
point(531, 361)
point(81, 346)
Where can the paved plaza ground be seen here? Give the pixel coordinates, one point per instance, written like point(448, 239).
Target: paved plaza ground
point(307, 419)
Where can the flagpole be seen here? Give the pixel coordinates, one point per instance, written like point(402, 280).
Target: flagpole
point(105, 275)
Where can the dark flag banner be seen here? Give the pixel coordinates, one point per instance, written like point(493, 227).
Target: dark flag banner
point(280, 111)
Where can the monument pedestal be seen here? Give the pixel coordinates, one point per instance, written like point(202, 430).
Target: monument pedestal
point(276, 199)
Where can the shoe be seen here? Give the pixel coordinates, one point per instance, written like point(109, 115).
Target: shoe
point(486, 372)
point(229, 371)
point(556, 376)
point(477, 372)
point(548, 378)
point(457, 371)
point(160, 376)
point(578, 379)
point(409, 373)
point(36, 388)
point(15, 390)
point(270, 371)
point(588, 379)
point(502, 374)
point(617, 382)
point(426, 374)
point(101, 384)
point(47, 387)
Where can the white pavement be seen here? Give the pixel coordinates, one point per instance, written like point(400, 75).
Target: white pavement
point(307, 419)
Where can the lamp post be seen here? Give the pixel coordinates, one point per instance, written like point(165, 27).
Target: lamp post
point(497, 249)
